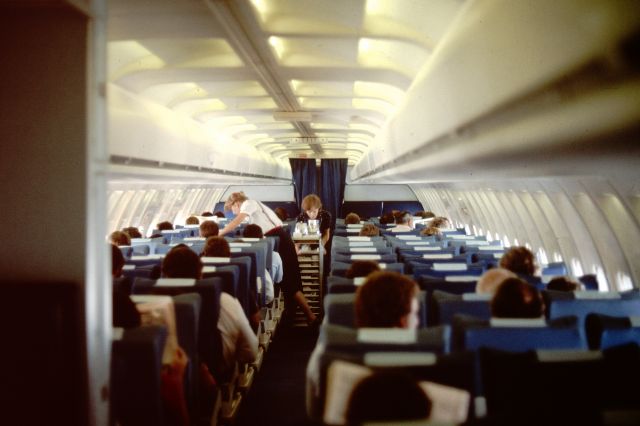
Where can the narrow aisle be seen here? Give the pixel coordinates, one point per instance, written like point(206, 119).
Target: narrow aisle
point(277, 397)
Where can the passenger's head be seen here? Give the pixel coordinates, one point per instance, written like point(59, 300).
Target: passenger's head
point(281, 212)
point(519, 260)
point(234, 202)
point(387, 218)
point(361, 268)
point(431, 231)
point(352, 219)
point(440, 222)
point(206, 214)
point(132, 232)
point(428, 214)
point(165, 226)
point(563, 284)
point(311, 205)
point(219, 214)
point(216, 247)
point(491, 280)
point(120, 238)
point(117, 261)
point(192, 220)
point(181, 262)
point(369, 230)
point(387, 396)
point(252, 231)
point(516, 298)
point(403, 218)
point(387, 299)
point(209, 228)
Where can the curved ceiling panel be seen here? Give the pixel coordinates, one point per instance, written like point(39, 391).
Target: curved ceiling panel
point(276, 78)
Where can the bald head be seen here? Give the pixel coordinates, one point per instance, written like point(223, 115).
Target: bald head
point(490, 280)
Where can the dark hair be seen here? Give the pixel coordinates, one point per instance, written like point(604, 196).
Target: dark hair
point(361, 268)
point(369, 230)
point(562, 284)
point(519, 260)
point(207, 214)
point(218, 213)
point(165, 226)
point(384, 299)
point(387, 395)
point(281, 212)
point(516, 298)
point(431, 231)
point(387, 218)
point(209, 228)
point(117, 261)
point(216, 247)
point(181, 262)
point(192, 220)
point(252, 231)
point(120, 238)
point(402, 217)
point(132, 232)
point(352, 219)
point(440, 222)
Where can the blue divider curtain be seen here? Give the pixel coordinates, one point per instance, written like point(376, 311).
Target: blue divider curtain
point(333, 175)
point(304, 177)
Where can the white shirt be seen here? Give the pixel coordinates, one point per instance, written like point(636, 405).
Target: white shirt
point(401, 228)
point(260, 215)
point(239, 342)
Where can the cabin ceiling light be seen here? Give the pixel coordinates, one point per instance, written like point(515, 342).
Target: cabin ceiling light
point(292, 116)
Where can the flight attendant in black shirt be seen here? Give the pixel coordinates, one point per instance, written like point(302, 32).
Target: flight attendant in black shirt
point(311, 207)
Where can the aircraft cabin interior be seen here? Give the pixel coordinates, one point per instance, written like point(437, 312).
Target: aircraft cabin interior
point(516, 120)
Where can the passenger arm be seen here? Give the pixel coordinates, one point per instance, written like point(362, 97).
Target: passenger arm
point(233, 224)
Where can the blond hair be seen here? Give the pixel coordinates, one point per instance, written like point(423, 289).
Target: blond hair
point(234, 198)
point(311, 201)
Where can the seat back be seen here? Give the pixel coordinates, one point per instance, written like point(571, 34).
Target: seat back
point(517, 335)
point(188, 307)
point(605, 331)
point(340, 309)
point(136, 362)
point(447, 305)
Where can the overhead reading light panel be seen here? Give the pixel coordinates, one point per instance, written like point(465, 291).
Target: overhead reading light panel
point(292, 116)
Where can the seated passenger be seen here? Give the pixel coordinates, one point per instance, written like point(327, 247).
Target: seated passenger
point(563, 284)
point(440, 222)
point(216, 247)
point(385, 300)
point(387, 218)
point(254, 231)
point(387, 396)
point(219, 214)
point(132, 231)
point(431, 231)
point(361, 268)
point(209, 228)
point(404, 222)
point(239, 343)
point(164, 226)
point(352, 219)
point(206, 214)
point(192, 220)
point(515, 298)
point(126, 315)
point(120, 238)
point(521, 261)
point(491, 280)
point(369, 230)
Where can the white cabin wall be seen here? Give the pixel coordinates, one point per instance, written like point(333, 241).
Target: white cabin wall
point(139, 129)
point(500, 86)
point(584, 221)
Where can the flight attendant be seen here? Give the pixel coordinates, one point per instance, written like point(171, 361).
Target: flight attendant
point(263, 216)
point(311, 208)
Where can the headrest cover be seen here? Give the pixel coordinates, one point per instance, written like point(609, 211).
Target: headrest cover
point(399, 359)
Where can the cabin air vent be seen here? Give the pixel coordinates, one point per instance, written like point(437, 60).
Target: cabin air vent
point(309, 140)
